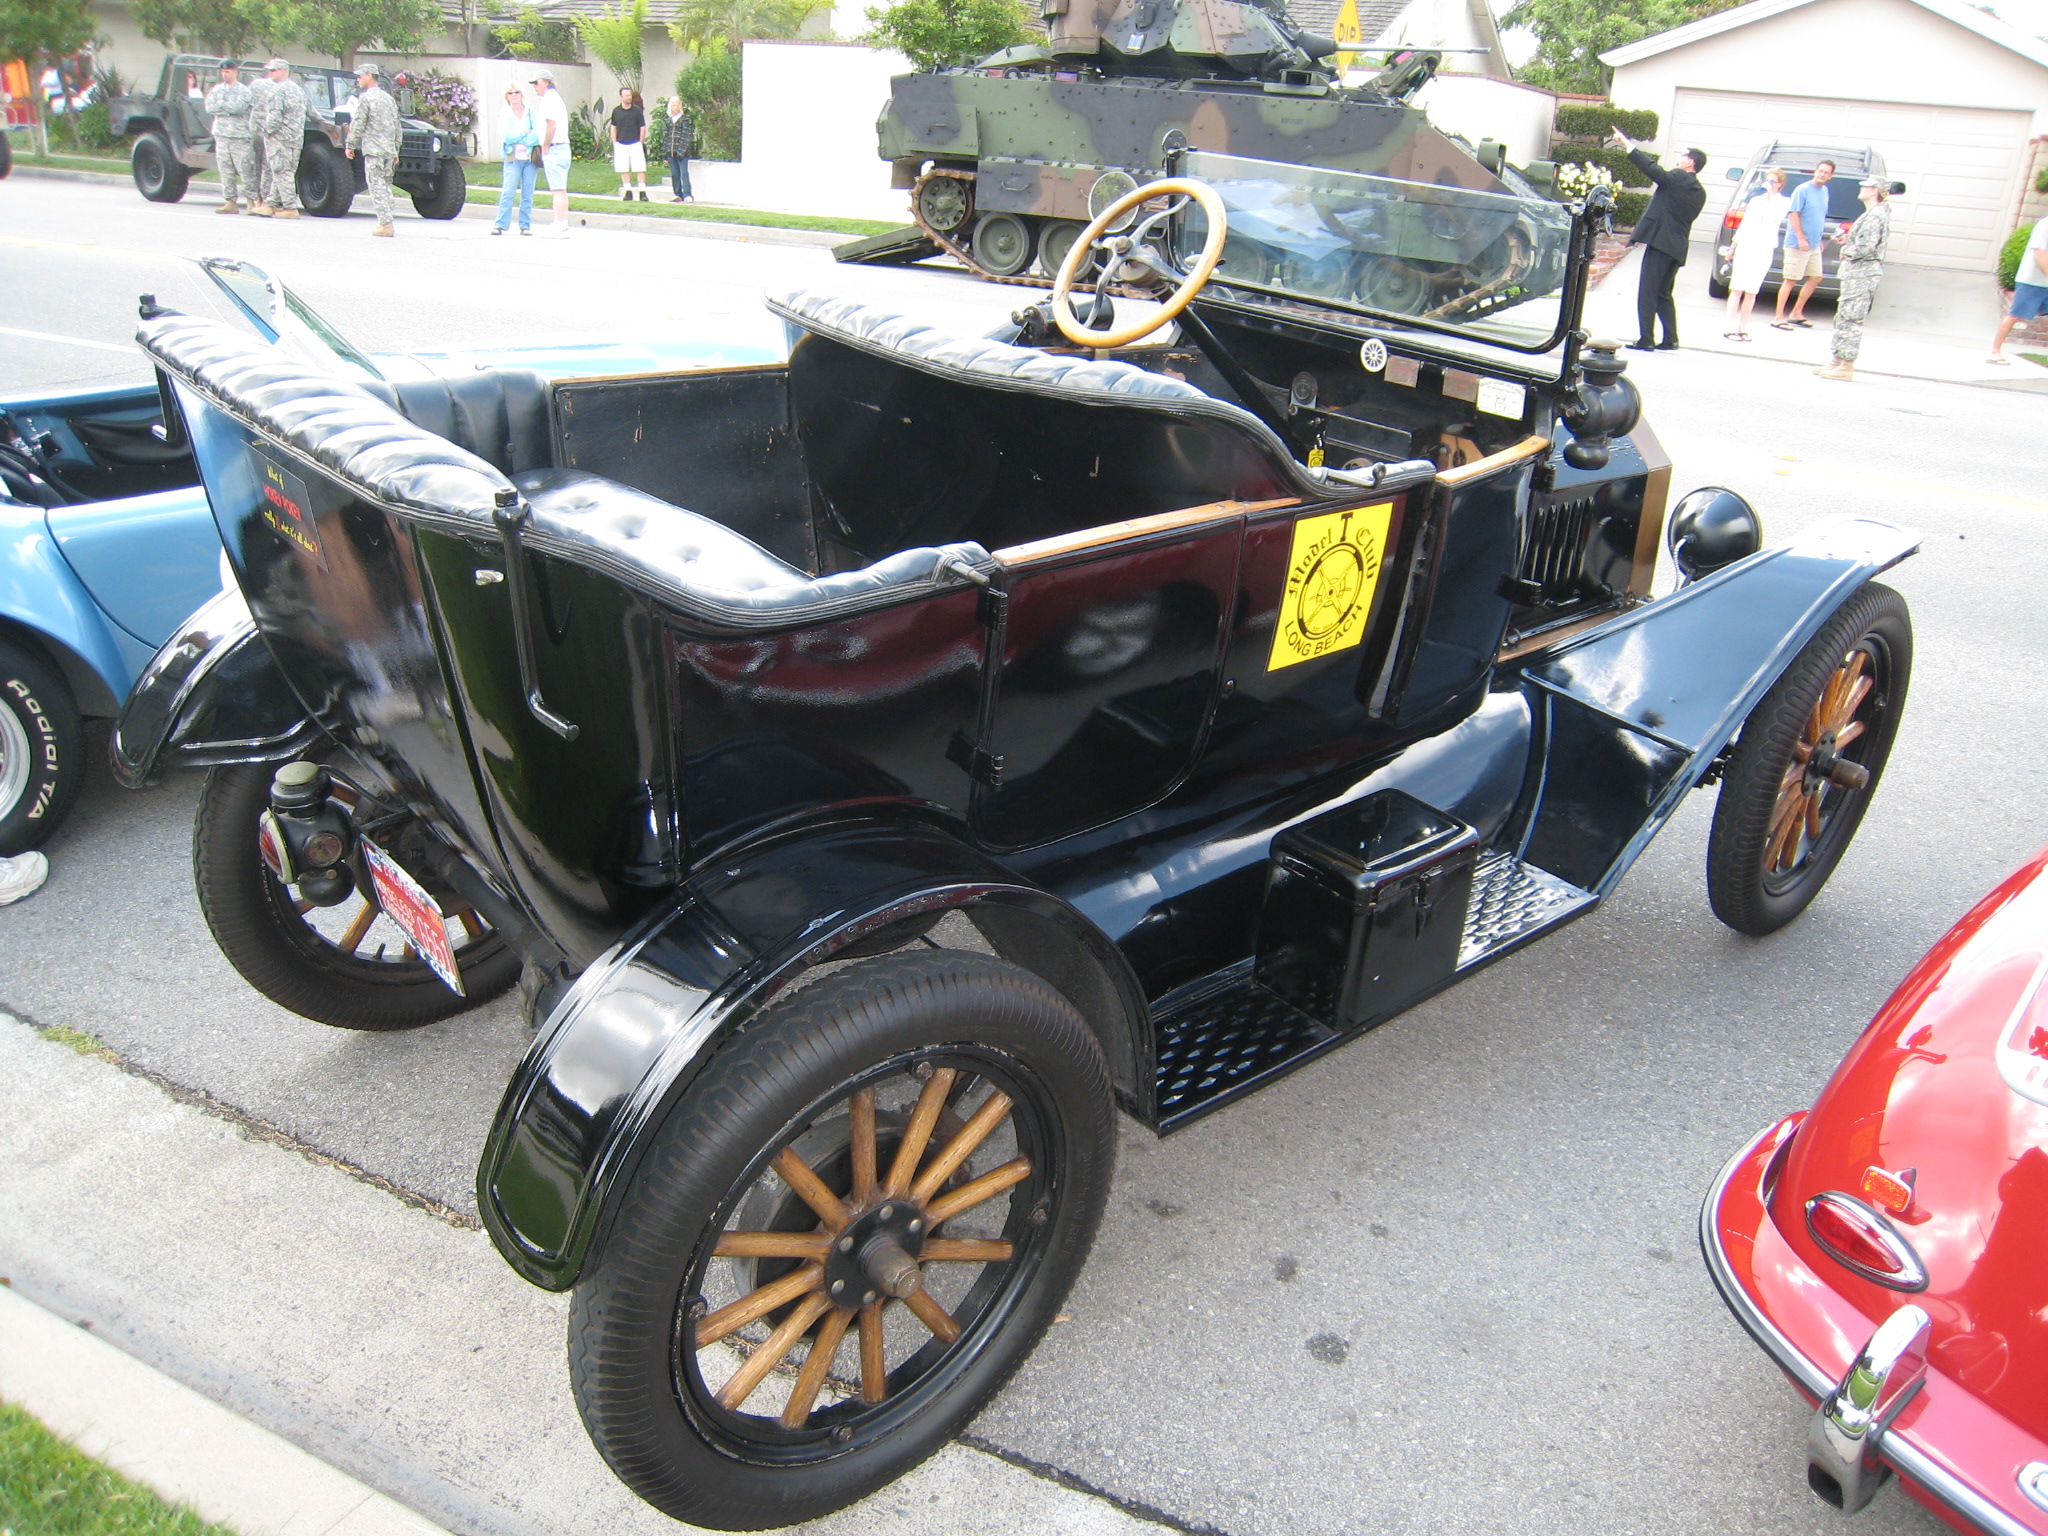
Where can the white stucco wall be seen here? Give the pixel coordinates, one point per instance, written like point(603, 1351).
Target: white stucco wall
point(808, 140)
point(1448, 24)
point(1519, 116)
point(1864, 50)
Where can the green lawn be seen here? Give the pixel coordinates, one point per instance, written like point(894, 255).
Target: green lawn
point(49, 1489)
point(2036, 357)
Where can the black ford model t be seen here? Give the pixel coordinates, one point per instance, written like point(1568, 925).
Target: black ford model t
point(881, 766)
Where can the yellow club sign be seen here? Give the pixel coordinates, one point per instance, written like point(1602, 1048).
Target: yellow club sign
point(1332, 572)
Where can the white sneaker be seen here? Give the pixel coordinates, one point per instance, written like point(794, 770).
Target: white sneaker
point(22, 875)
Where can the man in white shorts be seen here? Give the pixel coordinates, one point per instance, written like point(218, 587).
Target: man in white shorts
point(554, 145)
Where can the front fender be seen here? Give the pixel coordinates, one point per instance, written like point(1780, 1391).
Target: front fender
point(1633, 714)
point(631, 1034)
point(210, 695)
point(42, 596)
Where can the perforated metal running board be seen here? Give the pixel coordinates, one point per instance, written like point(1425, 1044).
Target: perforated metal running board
point(1510, 901)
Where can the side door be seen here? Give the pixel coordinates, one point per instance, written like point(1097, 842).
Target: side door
point(1106, 652)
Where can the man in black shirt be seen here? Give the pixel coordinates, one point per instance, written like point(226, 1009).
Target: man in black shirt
point(1663, 232)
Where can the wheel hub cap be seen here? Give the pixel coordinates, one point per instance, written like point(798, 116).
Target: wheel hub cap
point(876, 1255)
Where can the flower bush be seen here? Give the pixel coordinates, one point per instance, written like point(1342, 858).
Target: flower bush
point(1575, 181)
point(447, 101)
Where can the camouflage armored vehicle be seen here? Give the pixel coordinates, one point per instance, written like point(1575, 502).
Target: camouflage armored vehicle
point(1002, 158)
point(170, 137)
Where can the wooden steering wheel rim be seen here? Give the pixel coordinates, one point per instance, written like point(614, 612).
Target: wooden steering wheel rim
point(1175, 302)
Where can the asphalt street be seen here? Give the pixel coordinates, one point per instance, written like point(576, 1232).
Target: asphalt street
point(1445, 1278)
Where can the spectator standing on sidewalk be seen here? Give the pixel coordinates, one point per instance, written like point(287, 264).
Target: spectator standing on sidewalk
point(281, 120)
point(554, 145)
point(1755, 243)
point(2029, 293)
point(1861, 266)
point(1664, 232)
point(628, 132)
point(373, 129)
point(682, 138)
point(1806, 229)
point(229, 105)
point(520, 150)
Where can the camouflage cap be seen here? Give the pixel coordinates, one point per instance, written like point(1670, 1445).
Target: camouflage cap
point(278, 64)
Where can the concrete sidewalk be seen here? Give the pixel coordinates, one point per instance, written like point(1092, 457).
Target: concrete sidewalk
point(390, 1343)
point(1925, 325)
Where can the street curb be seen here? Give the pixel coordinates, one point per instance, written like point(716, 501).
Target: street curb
point(61, 173)
point(186, 1447)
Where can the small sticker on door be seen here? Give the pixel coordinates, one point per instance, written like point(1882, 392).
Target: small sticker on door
point(1497, 397)
point(1333, 569)
point(286, 508)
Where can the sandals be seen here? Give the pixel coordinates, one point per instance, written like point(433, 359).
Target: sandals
point(2003, 362)
point(1783, 325)
point(1736, 335)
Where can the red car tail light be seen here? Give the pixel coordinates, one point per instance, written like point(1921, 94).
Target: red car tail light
point(1860, 1239)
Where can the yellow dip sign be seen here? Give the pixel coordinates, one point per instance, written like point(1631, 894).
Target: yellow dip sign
point(1332, 573)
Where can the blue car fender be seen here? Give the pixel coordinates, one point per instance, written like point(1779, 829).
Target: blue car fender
point(630, 1035)
point(43, 602)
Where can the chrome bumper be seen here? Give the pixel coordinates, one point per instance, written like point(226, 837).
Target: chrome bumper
point(1864, 1449)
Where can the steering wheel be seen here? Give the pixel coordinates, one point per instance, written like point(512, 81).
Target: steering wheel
point(1126, 248)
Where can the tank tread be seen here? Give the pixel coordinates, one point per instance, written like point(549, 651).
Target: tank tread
point(965, 256)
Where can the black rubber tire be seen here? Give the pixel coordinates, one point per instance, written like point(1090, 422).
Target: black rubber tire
point(1002, 243)
point(6, 154)
point(159, 176)
point(623, 1314)
point(258, 928)
point(326, 181)
point(450, 192)
point(1743, 894)
point(41, 708)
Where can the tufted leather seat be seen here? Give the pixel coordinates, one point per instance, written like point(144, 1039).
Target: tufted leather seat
point(498, 414)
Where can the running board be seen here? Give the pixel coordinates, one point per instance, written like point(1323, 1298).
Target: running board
point(1512, 902)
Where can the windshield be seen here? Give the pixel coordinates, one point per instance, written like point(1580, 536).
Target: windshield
point(287, 318)
point(1490, 266)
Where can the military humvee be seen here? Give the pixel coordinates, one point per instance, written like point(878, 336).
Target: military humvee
point(171, 137)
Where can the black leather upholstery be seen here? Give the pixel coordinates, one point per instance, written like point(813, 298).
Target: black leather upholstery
point(680, 558)
point(498, 414)
point(706, 569)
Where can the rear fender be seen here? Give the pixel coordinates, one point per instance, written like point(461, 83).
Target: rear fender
point(210, 696)
point(631, 1034)
point(1635, 713)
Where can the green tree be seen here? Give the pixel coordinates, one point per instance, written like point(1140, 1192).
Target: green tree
point(710, 87)
point(935, 33)
point(226, 27)
point(39, 32)
point(534, 36)
point(701, 24)
point(1571, 35)
point(340, 28)
point(614, 40)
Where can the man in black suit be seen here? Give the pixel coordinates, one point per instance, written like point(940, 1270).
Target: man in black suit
point(1663, 232)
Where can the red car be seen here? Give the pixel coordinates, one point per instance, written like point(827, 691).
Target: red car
point(1886, 1247)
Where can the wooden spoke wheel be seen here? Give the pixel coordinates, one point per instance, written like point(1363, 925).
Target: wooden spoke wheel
point(849, 1232)
point(346, 965)
point(1807, 763)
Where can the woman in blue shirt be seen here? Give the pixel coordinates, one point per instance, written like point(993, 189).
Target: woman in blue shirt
point(521, 150)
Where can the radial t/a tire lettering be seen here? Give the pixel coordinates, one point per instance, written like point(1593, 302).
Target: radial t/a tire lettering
point(42, 750)
point(1807, 762)
point(346, 965)
point(903, 1163)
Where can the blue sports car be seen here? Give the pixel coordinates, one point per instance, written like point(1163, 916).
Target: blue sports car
point(106, 540)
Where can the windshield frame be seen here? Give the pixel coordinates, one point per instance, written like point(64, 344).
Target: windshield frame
point(1282, 304)
point(289, 320)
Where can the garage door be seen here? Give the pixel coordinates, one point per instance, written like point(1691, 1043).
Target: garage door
point(1958, 163)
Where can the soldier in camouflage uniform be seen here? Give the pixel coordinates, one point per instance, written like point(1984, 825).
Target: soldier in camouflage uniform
point(1861, 266)
point(281, 122)
point(373, 129)
point(229, 104)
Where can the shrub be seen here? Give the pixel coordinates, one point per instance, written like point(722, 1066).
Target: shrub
point(1614, 161)
point(586, 142)
point(447, 101)
point(534, 36)
point(1573, 182)
point(935, 33)
point(710, 87)
point(2041, 180)
point(1628, 207)
point(1583, 120)
point(657, 128)
point(2009, 256)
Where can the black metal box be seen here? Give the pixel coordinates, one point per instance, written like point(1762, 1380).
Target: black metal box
point(1365, 908)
